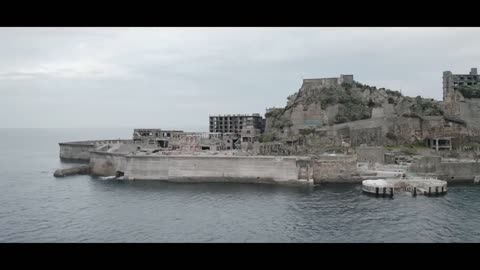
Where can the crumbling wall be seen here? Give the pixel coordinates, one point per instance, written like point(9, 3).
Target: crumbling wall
point(368, 136)
point(406, 130)
point(371, 154)
point(470, 111)
point(335, 169)
point(320, 82)
point(426, 165)
point(305, 116)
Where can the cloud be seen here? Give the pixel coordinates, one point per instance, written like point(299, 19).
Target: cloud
point(66, 70)
point(178, 76)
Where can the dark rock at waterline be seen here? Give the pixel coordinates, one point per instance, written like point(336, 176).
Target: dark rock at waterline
point(82, 169)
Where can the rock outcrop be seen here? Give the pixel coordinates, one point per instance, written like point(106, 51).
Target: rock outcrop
point(315, 106)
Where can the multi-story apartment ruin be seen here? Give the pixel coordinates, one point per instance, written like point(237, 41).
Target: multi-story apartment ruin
point(186, 141)
point(453, 82)
point(234, 123)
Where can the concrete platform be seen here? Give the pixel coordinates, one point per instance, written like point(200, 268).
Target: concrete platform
point(416, 186)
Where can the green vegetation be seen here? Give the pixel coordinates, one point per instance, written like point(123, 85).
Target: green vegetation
point(275, 112)
point(473, 146)
point(306, 131)
point(351, 112)
point(335, 149)
point(351, 108)
point(353, 104)
point(453, 154)
point(393, 93)
point(426, 107)
point(328, 97)
point(409, 149)
point(470, 91)
point(267, 137)
point(347, 86)
point(391, 136)
point(281, 122)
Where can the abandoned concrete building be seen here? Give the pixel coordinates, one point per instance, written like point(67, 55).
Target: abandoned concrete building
point(191, 141)
point(331, 129)
point(198, 141)
point(337, 112)
point(439, 144)
point(462, 97)
point(234, 123)
point(347, 79)
point(452, 82)
point(334, 112)
point(157, 137)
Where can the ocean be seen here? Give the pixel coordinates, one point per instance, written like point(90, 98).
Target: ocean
point(37, 207)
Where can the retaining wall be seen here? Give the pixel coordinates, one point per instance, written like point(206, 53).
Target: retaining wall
point(76, 151)
point(371, 154)
point(178, 168)
point(449, 171)
point(335, 169)
point(459, 171)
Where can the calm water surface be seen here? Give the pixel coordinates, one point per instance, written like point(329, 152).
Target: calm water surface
point(36, 207)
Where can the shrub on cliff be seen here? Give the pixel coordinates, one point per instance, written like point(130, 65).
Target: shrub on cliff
point(453, 154)
point(425, 107)
point(274, 113)
point(409, 151)
point(393, 93)
point(267, 137)
point(470, 91)
point(281, 122)
point(352, 112)
point(391, 136)
point(306, 131)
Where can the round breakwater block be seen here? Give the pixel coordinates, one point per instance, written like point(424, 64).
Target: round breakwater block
point(388, 187)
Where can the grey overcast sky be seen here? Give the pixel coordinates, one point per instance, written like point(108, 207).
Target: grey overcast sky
point(175, 77)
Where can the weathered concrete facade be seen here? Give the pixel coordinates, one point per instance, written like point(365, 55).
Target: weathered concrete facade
point(188, 168)
point(348, 79)
point(158, 137)
point(76, 151)
point(234, 123)
point(452, 81)
point(80, 151)
point(371, 154)
point(335, 169)
point(448, 170)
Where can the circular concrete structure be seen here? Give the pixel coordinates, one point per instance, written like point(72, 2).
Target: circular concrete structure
point(422, 186)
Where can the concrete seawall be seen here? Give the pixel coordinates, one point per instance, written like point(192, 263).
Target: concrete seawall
point(183, 168)
point(446, 170)
point(76, 151)
point(80, 151)
point(107, 164)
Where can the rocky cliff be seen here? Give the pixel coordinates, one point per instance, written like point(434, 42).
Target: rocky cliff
point(317, 106)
